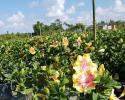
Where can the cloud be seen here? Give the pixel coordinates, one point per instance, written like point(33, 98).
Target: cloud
point(81, 4)
point(1, 23)
point(34, 4)
point(16, 20)
point(105, 13)
point(101, 11)
point(85, 18)
point(56, 9)
point(14, 23)
point(119, 6)
point(71, 10)
point(114, 12)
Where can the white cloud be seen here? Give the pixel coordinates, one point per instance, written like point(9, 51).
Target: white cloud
point(16, 20)
point(81, 4)
point(119, 6)
point(34, 4)
point(114, 12)
point(56, 9)
point(101, 11)
point(71, 10)
point(85, 18)
point(1, 23)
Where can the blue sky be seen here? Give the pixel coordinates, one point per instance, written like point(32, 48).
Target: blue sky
point(19, 16)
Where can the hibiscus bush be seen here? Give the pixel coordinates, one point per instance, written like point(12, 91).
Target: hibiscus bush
point(62, 66)
point(93, 80)
point(110, 51)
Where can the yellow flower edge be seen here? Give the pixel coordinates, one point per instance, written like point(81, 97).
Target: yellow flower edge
point(123, 93)
point(113, 96)
point(65, 42)
point(101, 69)
point(32, 50)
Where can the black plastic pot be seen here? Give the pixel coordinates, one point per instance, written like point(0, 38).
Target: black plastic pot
point(5, 92)
point(22, 97)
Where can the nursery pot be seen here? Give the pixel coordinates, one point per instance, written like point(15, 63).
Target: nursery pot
point(5, 92)
point(22, 96)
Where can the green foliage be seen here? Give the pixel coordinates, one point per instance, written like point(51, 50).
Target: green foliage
point(25, 70)
point(48, 72)
point(38, 28)
point(113, 56)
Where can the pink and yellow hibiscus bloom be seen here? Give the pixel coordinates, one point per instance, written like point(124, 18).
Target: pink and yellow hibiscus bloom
point(85, 73)
point(83, 82)
point(84, 63)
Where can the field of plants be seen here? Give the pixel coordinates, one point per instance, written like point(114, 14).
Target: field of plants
point(64, 66)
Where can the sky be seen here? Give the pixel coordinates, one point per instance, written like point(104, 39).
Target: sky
point(20, 15)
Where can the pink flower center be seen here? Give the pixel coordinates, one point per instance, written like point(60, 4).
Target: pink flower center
point(86, 81)
point(84, 66)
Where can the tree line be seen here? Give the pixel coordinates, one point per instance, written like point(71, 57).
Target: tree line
point(57, 26)
point(39, 28)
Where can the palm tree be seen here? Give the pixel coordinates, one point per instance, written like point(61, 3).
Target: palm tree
point(38, 28)
point(94, 21)
point(80, 27)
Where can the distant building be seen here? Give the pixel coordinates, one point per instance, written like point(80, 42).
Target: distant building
point(106, 26)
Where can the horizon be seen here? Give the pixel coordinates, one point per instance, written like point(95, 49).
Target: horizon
point(20, 16)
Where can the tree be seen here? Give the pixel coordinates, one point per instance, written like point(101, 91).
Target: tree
point(69, 27)
point(80, 27)
point(46, 28)
point(120, 24)
point(38, 28)
point(56, 26)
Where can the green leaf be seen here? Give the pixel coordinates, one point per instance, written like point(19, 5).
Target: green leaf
point(27, 91)
point(95, 96)
point(64, 81)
